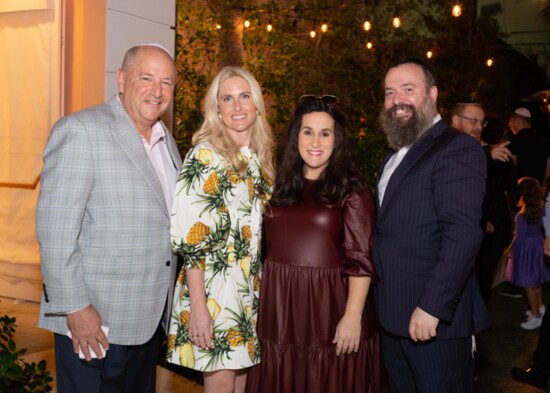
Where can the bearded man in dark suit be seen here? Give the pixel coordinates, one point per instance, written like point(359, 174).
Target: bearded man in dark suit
point(430, 191)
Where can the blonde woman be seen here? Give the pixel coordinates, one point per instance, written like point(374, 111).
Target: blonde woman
point(222, 189)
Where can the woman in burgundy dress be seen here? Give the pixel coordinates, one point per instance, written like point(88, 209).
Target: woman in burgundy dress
point(316, 324)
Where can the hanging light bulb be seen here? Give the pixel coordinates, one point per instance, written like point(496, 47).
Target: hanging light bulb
point(396, 21)
point(269, 27)
point(457, 9)
point(369, 45)
point(324, 27)
point(367, 25)
point(429, 54)
point(247, 23)
point(312, 34)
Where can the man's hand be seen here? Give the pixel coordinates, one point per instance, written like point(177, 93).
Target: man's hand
point(501, 152)
point(422, 326)
point(85, 327)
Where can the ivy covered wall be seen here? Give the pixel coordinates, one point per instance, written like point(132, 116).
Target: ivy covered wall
point(288, 62)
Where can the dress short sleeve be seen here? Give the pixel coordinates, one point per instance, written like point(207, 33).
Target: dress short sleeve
point(200, 222)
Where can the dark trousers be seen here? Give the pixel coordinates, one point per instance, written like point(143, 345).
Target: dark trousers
point(488, 258)
point(430, 367)
point(125, 368)
point(542, 353)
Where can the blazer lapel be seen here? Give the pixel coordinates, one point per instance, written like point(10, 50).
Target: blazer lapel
point(417, 150)
point(125, 134)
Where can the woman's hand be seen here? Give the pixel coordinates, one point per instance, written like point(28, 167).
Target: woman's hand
point(201, 331)
point(348, 335)
point(348, 330)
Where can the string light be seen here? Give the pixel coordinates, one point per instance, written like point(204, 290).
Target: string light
point(396, 21)
point(429, 54)
point(369, 45)
point(490, 62)
point(457, 10)
point(367, 25)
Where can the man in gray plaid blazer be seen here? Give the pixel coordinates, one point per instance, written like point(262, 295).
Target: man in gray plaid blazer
point(103, 225)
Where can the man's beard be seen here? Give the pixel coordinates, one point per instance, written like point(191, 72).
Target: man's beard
point(404, 132)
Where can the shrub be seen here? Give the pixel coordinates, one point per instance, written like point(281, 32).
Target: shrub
point(16, 375)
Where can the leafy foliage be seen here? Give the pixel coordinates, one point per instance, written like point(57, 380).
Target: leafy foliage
point(16, 375)
point(289, 63)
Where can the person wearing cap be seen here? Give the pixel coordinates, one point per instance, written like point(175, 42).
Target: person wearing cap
point(103, 227)
point(530, 151)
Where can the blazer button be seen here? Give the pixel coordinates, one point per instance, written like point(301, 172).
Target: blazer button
point(167, 263)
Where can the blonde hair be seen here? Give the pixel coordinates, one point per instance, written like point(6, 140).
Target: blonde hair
point(215, 132)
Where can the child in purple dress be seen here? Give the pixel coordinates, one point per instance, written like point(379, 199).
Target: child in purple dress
point(527, 268)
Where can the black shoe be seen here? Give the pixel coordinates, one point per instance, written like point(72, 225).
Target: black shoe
point(531, 375)
point(510, 291)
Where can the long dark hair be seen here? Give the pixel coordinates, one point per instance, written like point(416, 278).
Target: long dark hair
point(532, 199)
point(340, 176)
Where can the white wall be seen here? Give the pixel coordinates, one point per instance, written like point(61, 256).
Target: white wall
point(131, 22)
point(37, 72)
point(30, 102)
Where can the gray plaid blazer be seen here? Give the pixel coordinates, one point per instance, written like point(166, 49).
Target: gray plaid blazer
point(103, 226)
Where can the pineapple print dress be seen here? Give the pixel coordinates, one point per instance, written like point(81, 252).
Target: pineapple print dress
point(216, 226)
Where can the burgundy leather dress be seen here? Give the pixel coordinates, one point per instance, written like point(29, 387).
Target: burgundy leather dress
point(310, 250)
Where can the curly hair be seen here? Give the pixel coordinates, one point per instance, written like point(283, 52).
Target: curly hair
point(340, 176)
point(215, 132)
point(532, 199)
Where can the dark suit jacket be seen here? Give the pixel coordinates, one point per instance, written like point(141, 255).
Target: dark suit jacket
point(428, 233)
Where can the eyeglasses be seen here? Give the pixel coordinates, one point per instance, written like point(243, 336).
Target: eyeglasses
point(327, 99)
point(482, 123)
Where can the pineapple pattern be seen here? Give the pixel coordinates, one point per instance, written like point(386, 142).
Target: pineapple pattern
point(216, 227)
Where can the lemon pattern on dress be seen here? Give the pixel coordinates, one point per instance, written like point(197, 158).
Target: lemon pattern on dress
point(216, 227)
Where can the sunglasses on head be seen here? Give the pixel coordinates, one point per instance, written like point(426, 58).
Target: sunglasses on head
point(327, 99)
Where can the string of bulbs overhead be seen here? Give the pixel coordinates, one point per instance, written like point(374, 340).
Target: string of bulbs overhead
point(396, 23)
point(367, 24)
